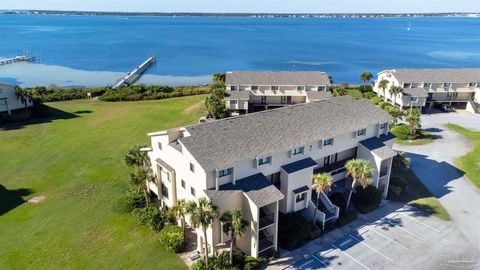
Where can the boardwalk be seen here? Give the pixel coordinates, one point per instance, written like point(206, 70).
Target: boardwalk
point(18, 58)
point(134, 75)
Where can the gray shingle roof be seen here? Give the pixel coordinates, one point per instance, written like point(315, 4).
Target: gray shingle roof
point(378, 147)
point(415, 92)
point(237, 95)
point(299, 165)
point(441, 75)
point(277, 78)
point(257, 188)
point(224, 142)
point(318, 95)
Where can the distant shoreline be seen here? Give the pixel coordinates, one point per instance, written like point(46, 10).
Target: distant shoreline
point(239, 15)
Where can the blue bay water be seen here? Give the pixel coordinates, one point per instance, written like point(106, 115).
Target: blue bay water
point(90, 50)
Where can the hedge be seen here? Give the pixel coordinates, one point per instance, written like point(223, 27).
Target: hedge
point(346, 218)
point(171, 237)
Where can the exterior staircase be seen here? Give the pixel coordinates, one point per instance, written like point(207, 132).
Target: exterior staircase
point(324, 205)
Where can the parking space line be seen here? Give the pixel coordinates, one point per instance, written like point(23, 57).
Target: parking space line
point(320, 261)
point(419, 222)
point(306, 263)
point(390, 239)
point(403, 229)
point(367, 245)
point(353, 259)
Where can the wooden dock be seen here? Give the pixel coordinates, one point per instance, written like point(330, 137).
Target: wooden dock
point(18, 58)
point(134, 75)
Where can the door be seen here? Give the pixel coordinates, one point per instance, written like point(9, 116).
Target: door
point(264, 100)
point(289, 100)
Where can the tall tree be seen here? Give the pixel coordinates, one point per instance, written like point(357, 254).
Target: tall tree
point(322, 182)
point(361, 172)
point(384, 84)
point(394, 91)
point(235, 226)
point(140, 176)
point(219, 77)
point(180, 210)
point(414, 122)
point(202, 214)
point(136, 157)
point(23, 95)
point(215, 103)
point(396, 113)
point(366, 76)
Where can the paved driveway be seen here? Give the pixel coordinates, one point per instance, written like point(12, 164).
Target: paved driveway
point(434, 164)
point(392, 237)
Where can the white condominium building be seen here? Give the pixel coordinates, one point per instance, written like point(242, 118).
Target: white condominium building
point(262, 163)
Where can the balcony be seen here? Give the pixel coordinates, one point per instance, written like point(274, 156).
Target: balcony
point(266, 218)
point(383, 172)
point(334, 168)
point(265, 241)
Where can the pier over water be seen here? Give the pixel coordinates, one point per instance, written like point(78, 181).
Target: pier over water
point(134, 75)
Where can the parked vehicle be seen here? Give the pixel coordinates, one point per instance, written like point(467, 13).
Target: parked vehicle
point(447, 108)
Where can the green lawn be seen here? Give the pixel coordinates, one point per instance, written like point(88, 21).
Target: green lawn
point(470, 163)
point(355, 93)
point(418, 195)
point(77, 164)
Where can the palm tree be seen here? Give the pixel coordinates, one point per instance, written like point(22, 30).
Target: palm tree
point(136, 157)
point(361, 171)
point(24, 95)
point(384, 84)
point(202, 215)
point(180, 210)
point(394, 91)
point(140, 177)
point(414, 122)
point(322, 182)
point(366, 76)
point(396, 114)
point(236, 226)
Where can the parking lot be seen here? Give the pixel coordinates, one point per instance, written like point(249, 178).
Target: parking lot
point(389, 242)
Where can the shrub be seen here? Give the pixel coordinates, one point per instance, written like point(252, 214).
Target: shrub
point(400, 162)
point(370, 95)
point(367, 199)
point(339, 92)
point(133, 199)
point(61, 94)
point(375, 100)
point(252, 263)
point(402, 132)
point(294, 230)
point(346, 218)
point(339, 200)
point(365, 88)
point(384, 105)
point(172, 239)
point(151, 92)
point(396, 187)
point(150, 216)
point(219, 262)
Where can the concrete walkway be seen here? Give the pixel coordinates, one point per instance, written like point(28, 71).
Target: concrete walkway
point(434, 164)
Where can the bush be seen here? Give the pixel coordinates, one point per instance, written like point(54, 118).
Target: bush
point(171, 237)
point(370, 95)
point(365, 89)
point(219, 262)
point(151, 92)
point(61, 94)
point(339, 92)
point(150, 216)
point(133, 199)
point(396, 187)
point(375, 100)
point(252, 263)
point(346, 218)
point(294, 230)
point(402, 132)
point(339, 200)
point(367, 199)
point(384, 105)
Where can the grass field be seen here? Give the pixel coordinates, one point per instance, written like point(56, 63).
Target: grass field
point(76, 162)
point(470, 163)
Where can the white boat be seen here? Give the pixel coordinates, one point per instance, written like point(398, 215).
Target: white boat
point(409, 26)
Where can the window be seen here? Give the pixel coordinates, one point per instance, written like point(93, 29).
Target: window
point(160, 145)
point(233, 102)
point(322, 88)
point(413, 99)
point(192, 191)
point(472, 84)
point(289, 100)
point(407, 85)
point(263, 99)
point(383, 125)
point(328, 142)
point(362, 132)
point(427, 85)
point(233, 87)
point(183, 183)
point(326, 160)
point(301, 197)
point(274, 87)
point(192, 167)
point(298, 150)
point(283, 99)
point(446, 85)
point(264, 160)
point(300, 88)
point(225, 172)
point(164, 191)
point(254, 87)
point(168, 176)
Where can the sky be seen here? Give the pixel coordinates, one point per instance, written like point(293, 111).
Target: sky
point(253, 6)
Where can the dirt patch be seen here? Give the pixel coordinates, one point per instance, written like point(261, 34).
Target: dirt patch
point(36, 199)
point(194, 108)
